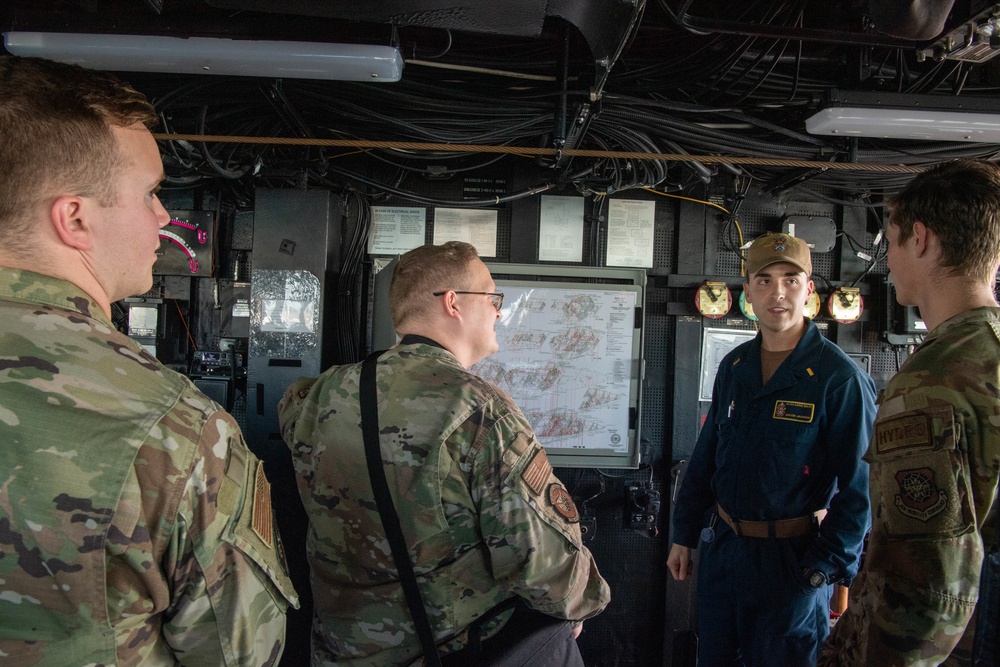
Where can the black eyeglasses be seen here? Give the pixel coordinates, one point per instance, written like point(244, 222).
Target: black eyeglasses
point(495, 297)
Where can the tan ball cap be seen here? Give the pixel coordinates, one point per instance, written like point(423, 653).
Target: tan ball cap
point(773, 248)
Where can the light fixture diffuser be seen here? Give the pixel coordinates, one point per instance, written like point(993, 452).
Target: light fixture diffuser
point(209, 55)
point(924, 124)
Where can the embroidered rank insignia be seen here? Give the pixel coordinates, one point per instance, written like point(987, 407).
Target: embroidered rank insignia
point(262, 519)
point(563, 503)
point(537, 472)
point(794, 411)
point(919, 497)
point(902, 433)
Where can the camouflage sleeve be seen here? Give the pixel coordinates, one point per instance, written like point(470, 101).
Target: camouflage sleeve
point(920, 585)
point(531, 526)
point(229, 585)
point(290, 405)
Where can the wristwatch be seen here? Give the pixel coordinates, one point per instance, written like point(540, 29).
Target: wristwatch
point(815, 578)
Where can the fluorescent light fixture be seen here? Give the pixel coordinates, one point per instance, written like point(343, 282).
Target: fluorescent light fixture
point(925, 124)
point(209, 55)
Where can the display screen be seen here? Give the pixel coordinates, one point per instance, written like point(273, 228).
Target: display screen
point(570, 356)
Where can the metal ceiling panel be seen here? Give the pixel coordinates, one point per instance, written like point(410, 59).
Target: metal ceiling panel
point(510, 17)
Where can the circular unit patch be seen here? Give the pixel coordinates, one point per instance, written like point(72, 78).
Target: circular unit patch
point(563, 503)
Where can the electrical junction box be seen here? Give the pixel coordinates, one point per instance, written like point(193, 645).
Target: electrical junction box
point(642, 508)
point(817, 231)
point(903, 324)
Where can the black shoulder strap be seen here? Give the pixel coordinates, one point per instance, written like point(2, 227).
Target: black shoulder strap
point(387, 511)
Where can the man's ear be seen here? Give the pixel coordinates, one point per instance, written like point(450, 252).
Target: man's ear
point(70, 220)
point(449, 303)
point(746, 292)
point(921, 238)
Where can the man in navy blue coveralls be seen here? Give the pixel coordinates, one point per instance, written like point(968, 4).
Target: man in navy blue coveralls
point(776, 489)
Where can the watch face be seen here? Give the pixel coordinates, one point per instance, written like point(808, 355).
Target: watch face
point(817, 580)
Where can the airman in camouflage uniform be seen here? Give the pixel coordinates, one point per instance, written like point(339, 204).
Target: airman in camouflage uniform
point(135, 525)
point(935, 453)
point(483, 515)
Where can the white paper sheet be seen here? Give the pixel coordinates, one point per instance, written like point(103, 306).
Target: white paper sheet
point(475, 226)
point(396, 229)
point(630, 233)
point(560, 229)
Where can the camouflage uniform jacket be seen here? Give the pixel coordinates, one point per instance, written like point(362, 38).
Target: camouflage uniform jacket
point(479, 506)
point(934, 458)
point(127, 498)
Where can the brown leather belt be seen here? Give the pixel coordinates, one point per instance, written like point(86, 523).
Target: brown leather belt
point(783, 528)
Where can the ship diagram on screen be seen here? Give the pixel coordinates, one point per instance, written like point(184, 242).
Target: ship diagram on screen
point(565, 358)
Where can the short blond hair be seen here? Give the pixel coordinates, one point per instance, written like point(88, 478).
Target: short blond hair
point(425, 270)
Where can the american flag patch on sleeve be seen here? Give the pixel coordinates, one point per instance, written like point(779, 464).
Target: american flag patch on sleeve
point(537, 472)
point(262, 520)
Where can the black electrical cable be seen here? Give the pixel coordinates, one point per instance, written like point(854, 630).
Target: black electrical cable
point(181, 182)
point(348, 292)
point(832, 200)
point(851, 241)
point(412, 196)
point(597, 220)
point(444, 51)
point(701, 139)
point(445, 171)
point(219, 169)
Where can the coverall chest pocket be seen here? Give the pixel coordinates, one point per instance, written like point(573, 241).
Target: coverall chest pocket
point(728, 439)
point(786, 452)
point(922, 474)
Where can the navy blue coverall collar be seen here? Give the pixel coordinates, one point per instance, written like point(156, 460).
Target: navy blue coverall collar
point(799, 366)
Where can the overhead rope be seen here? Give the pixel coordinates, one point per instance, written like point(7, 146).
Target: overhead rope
point(545, 152)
